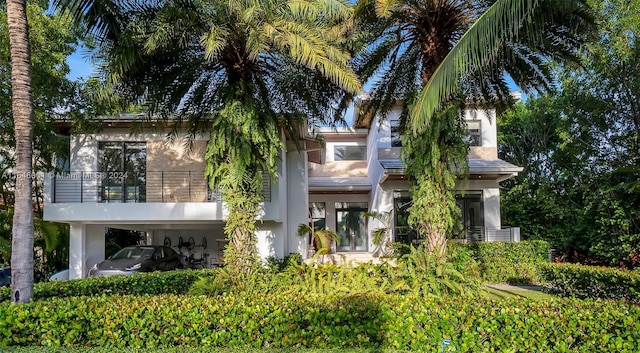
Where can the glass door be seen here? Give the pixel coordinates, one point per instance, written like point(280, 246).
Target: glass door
point(472, 216)
point(351, 226)
point(135, 169)
point(111, 169)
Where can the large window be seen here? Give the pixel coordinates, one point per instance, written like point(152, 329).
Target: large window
point(474, 137)
point(402, 233)
point(123, 167)
point(351, 226)
point(350, 153)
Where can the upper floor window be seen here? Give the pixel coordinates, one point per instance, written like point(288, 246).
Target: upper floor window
point(350, 153)
point(396, 136)
point(474, 136)
point(123, 171)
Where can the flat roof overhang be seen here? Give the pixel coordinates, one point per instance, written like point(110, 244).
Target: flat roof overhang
point(339, 185)
point(479, 169)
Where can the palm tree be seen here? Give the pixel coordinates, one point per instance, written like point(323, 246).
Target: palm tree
point(250, 71)
point(432, 53)
point(22, 107)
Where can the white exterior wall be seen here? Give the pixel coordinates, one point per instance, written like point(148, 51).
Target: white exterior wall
point(297, 188)
point(488, 131)
point(84, 158)
point(86, 248)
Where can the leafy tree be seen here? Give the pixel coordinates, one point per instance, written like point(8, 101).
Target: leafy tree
point(431, 54)
point(580, 150)
point(249, 71)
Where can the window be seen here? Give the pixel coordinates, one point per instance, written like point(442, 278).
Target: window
point(351, 226)
point(318, 213)
point(402, 233)
point(350, 153)
point(474, 137)
point(396, 135)
point(123, 167)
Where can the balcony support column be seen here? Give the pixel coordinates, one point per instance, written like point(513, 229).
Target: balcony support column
point(86, 248)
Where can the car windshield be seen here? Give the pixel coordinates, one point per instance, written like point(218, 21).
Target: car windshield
point(134, 253)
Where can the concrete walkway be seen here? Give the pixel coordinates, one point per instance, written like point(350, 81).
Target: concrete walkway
point(507, 287)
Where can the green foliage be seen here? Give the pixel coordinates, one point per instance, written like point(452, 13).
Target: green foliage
point(172, 282)
point(381, 235)
point(292, 320)
point(514, 263)
point(425, 274)
point(418, 273)
point(276, 265)
point(249, 72)
point(434, 160)
point(580, 150)
point(321, 239)
point(592, 282)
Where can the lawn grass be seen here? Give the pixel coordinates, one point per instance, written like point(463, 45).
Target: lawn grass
point(507, 293)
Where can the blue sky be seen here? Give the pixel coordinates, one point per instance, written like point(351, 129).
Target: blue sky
point(80, 64)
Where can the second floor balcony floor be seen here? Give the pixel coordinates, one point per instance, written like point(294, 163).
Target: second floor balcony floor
point(138, 197)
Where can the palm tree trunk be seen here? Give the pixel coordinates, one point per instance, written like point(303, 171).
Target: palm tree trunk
point(22, 106)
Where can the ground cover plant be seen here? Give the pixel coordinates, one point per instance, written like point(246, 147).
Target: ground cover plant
point(414, 306)
point(592, 281)
point(172, 282)
point(404, 322)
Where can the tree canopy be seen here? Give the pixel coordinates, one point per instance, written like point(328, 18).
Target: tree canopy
point(580, 149)
point(248, 72)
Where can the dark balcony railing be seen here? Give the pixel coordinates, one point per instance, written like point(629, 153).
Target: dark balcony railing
point(118, 187)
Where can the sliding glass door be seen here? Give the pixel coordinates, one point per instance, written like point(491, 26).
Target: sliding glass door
point(351, 226)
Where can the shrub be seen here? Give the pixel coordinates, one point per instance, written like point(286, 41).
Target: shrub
point(171, 282)
point(514, 263)
point(295, 320)
point(592, 282)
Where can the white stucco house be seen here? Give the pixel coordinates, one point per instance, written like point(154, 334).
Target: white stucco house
point(144, 182)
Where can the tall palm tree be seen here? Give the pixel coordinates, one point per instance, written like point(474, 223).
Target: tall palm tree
point(430, 53)
point(22, 107)
point(250, 71)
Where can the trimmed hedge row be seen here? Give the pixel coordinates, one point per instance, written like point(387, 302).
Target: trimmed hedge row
point(507, 262)
point(592, 282)
point(364, 321)
point(183, 349)
point(172, 282)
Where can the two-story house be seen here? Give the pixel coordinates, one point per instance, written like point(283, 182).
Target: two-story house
point(146, 183)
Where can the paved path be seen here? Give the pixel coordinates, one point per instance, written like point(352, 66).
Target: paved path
point(507, 287)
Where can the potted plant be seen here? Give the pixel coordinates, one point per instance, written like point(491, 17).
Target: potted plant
point(321, 239)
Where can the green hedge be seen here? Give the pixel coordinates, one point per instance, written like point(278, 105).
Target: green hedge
point(364, 321)
point(507, 262)
point(172, 282)
point(592, 282)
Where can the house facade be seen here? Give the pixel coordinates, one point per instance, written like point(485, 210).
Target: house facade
point(146, 183)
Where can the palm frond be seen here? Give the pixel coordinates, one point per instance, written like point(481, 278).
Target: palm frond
point(475, 49)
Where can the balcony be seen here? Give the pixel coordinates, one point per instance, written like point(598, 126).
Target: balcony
point(122, 187)
point(163, 197)
point(158, 197)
